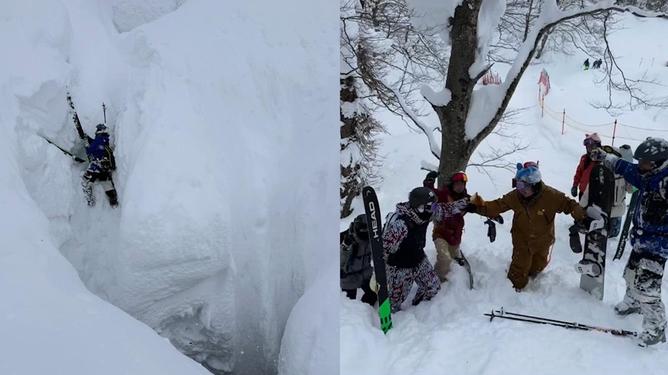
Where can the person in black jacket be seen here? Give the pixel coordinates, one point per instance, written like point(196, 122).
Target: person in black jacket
point(404, 238)
point(356, 255)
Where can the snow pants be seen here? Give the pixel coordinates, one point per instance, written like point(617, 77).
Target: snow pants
point(445, 253)
point(527, 263)
point(400, 281)
point(90, 177)
point(643, 275)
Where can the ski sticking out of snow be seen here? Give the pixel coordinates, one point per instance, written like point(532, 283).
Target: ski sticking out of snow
point(372, 210)
point(623, 237)
point(467, 266)
point(501, 313)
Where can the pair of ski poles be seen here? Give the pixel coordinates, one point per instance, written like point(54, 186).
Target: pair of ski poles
point(502, 314)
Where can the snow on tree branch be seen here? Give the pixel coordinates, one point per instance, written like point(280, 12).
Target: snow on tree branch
point(550, 16)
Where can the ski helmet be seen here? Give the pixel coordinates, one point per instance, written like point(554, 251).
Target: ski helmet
point(528, 173)
point(652, 149)
point(101, 129)
point(432, 175)
point(459, 177)
point(421, 196)
point(592, 139)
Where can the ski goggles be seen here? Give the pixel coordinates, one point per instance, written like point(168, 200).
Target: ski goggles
point(590, 142)
point(424, 208)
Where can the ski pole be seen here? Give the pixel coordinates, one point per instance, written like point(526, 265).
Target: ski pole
point(503, 312)
point(76, 158)
point(492, 316)
point(104, 113)
point(559, 323)
point(586, 326)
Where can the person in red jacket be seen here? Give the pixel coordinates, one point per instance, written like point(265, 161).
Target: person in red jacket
point(583, 172)
point(447, 234)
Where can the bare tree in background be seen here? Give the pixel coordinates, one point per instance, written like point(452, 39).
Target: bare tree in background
point(381, 52)
point(466, 116)
point(393, 59)
point(358, 144)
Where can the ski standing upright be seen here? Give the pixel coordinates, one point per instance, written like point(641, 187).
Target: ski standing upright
point(372, 210)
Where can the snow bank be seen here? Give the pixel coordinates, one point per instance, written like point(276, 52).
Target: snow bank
point(222, 220)
point(51, 323)
point(128, 14)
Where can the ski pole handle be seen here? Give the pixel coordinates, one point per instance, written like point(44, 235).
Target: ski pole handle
point(104, 113)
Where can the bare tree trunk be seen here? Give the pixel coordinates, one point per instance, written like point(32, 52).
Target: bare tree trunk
point(349, 181)
point(455, 149)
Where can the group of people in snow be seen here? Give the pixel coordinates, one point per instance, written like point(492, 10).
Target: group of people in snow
point(534, 205)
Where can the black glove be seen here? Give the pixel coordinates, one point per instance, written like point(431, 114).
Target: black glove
point(574, 238)
point(470, 207)
point(498, 219)
point(574, 191)
point(491, 230)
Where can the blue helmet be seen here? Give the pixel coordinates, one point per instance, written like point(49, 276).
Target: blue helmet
point(528, 173)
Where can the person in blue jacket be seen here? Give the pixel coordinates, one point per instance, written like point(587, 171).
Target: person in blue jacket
point(101, 164)
point(649, 237)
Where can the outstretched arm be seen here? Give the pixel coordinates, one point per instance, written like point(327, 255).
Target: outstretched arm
point(496, 207)
point(442, 211)
point(570, 206)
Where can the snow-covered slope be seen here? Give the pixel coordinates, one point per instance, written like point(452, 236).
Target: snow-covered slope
point(222, 222)
point(450, 334)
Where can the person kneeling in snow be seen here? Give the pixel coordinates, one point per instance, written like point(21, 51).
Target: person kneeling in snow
point(644, 271)
point(404, 238)
point(534, 205)
point(102, 164)
point(356, 267)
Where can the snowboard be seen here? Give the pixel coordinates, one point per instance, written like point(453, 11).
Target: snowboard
point(623, 237)
point(592, 265)
point(372, 211)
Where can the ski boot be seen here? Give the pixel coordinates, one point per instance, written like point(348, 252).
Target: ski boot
point(113, 198)
point(648, 339)
point(589, 268)
point(370, 298)
point(624, 308)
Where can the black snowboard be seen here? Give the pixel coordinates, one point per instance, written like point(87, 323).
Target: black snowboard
point(372, 210)
point(592, 265)
point(623, 237)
